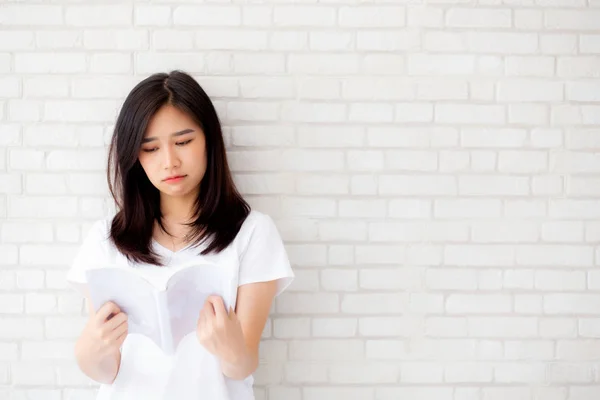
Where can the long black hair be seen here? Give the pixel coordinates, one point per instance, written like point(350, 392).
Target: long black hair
point(219, 207)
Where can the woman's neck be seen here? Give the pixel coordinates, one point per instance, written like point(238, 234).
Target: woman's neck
point(177, 209)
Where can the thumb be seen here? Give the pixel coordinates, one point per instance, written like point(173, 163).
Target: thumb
point(108, 310)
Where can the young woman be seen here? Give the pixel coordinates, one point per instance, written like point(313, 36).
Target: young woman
point(176, 204)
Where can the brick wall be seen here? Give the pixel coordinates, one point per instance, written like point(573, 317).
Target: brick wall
point(432, 166)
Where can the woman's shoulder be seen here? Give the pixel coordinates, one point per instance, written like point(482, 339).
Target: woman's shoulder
point(98, 228)
point(95, 248)
point(256, 217)
point(255, 220)
point(96, 237)
point(257, 226)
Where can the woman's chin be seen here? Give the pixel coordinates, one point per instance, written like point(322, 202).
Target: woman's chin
point(176, 190)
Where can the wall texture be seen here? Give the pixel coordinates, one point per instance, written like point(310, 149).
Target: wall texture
point(432, 165)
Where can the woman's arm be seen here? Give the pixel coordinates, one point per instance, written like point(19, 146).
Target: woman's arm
point(234, 336)
point(252, 309)
point(103, 369)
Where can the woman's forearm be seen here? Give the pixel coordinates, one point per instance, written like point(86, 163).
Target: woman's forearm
point(102, 371)
point(243, 366)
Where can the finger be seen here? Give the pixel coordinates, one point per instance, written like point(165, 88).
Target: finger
point(115, 322)
point(219, 308)
point(207, 321)
point(119, 341)
point(203, 314)
point(106, 310)
point(209, 308)
point(119, 331)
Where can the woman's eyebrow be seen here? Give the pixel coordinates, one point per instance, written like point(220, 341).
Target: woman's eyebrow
point(183, 132)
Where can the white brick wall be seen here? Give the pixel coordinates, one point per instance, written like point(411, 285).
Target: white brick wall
point(433, 167)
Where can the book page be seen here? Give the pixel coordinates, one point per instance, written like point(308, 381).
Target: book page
point(187, 292)
point(134, 295)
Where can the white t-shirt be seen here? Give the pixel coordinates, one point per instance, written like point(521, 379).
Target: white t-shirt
point(256, 254)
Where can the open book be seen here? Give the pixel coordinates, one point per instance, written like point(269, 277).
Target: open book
point(167, 314)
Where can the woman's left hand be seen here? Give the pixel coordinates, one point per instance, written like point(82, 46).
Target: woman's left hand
point(220, 332)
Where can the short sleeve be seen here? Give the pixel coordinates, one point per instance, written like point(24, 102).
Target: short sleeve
point(91, 253)
point(265, 258)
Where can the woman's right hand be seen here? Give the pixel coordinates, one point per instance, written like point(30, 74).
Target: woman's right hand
point(104, 332)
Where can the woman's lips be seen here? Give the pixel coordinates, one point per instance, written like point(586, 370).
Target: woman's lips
point(176, 179)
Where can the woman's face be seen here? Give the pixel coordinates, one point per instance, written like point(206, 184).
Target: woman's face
point(173, 145)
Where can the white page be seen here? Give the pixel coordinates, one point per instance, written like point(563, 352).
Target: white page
point(186, 293)
point(134, 295)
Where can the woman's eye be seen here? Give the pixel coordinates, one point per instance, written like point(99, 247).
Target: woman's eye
point(152, 150)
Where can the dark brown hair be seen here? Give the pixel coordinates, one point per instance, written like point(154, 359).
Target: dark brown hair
point(219, 207)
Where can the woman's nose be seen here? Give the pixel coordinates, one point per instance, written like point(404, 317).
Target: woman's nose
point(170, 157)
